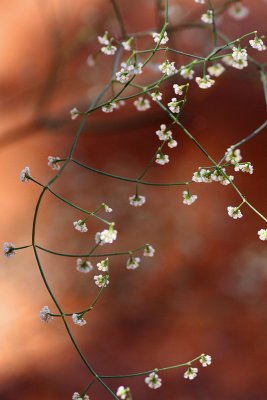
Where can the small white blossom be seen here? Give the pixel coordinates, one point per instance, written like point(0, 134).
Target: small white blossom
point(246, 167)
point(53, 162)
point(107, 235)
point(127, 45)
point(156, 96)
point(104, 39)
point(226, 181)
point(25, 175)
point(109, 50)
point(133, 262)
point(178, 89)
point(101, 280)
point(189, 198)
point(142, 104)
point(205, 82)
point(8, 249)
point(203, 175)
point(83, 266)
point(149, 251)
point(228, 60)
point(77, 396)
point(238, 11)
point(164, 133)
point(240, 64)
point(123, 76)
point(162, 159)
point(187, 72)
point(262, 234)
point(168, 68)
point(218, 176)
point(205, 360)
point(90, 61)
point(200, 1)
point(216, 70)
point(137, 200)
point(207, 17)
point(233, 156)
point(80, 226)
point(234, 212)
point(191, 373)
point(123, 393)
point(174, 105)
point(156, 37)
point(74, 113)
point(108, 108)
point(239, 54)
point(103, 265)
point(172, 143)
point(153, 381)
point(257, 44)
point(78, 319)
point(107, 208)
point(44, 314)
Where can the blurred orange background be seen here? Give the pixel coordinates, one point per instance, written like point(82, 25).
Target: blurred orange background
point(205, 289)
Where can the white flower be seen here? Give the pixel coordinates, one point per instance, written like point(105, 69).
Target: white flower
point(207, 17)
point(108, 108)
point(123, 76)
point(200, 1)
point(246, 167)
point(216, 69)
point(205, 360)
point(90, 61)
point(103, 265)
point(262, 234)
point(238, 11)
point(239, 54)
point(25, 175)
point(142, 104)
point(137, 200)
point(190, 373)
point(156, 37)
point(156, 96)
point(218, 176)
point(205, 82)
point(164, 133)
point(172, 143)
point(187, 72)
point(174, 105)
point(53, 162)
point(162, 159)
point(178, 89)
point(77, 396)
point(204, 175)
point(228, 60)
point(233, 156)
point(234, 212)
point(109, 50)
point(123, 393)
point(8, 249)
point(83, 266)
point(101, 280)
point(149, 251)
point(127, 45)
point(80, 226)
point(107, 208)
point(226, 181)
point(257, 44)
point(153, 381)
point(104, 39)
point(189, 198)
point(45, 314)
point(240, 64)
point(74, 113)
point(107, 235)
point(168, 68)
point(133, 262)
point(78, 319)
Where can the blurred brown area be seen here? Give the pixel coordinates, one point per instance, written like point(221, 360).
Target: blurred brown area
point(205, 289)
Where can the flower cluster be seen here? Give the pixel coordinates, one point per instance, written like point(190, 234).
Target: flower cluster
point(163, 40)
point(234, 212)
point(53, 162)
point(8, 249)
point(239, 57)
point(187, 72)
point(262, 234)
point(136, 200)
point(207, 17)
point(233, 156)
point(25, 175)
point(107, 48)
point(83, 266)
point(175, 105)
point(216, 69)
point(208, 176)
point(142, 104)
point(168, 68)
point(189, 198)
point(165, 134)
point(78, 319)
point(153, 381)
point(205, 82)
point(106, 236)
point(127, 71)
point(45, 314)
point(101, 280)
point(149, 251)
point(80, 225)
point(133, 262)
point(124, 393)
point(77, 396)
point(103, 265)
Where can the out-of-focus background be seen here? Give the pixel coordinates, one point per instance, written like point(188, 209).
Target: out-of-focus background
point(205, 289)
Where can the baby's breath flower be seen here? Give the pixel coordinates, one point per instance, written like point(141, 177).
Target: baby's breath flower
point(149, 251)
point(133, 262)
point(234, 212)
point(108, 108)
point(233, 156)
point(77, 396)
point(25, 175)
point(156, 96)
point(104, 39)
point(107, 208)
point(191, 373)
point(203, 175)
point(137, 200)
point(239, 54)
point(262, 234)
point(90, 61)
point(228, 60)
point(200, 1)
point(189, 198)
point(8, 249)
point(239, 64)
point(187, 72)
point(226, 181)
point(168, 68)
point(53, 162)
point(257, 44)
point(216, 70)
point(172, 143)
point(218, 176)
point(74, 113)
point(80, 226)
point(127, 45)
point(207, 17)
point(44, 314)
point(246, 167)
point(238, 11)
point(163, 40)
point(205, 82)
point(103, 265)
point(78, 319)
point(83, 266)
point(153, 381)
point(124, 393)
point(123, 76)
point(101, 280)
point(108, 235)
point(109, 50)
point(142, 104)
point(164, 133)
point(178, 89)
point(174, 105)
point(162, 159)
point(205, 360)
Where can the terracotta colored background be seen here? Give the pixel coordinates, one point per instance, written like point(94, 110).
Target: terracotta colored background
point(204, 291)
